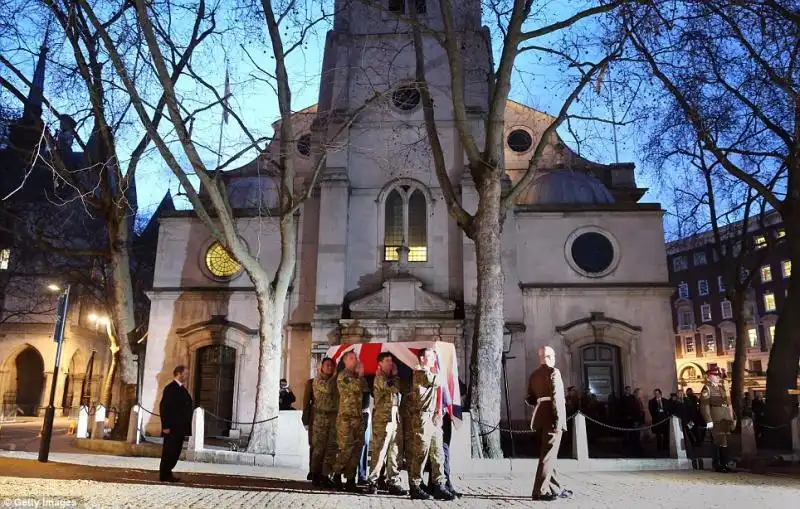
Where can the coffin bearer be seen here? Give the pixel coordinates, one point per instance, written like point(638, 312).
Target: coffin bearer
point(308, 419)
point(718, 415)
point(323, 428)
point(549, 421)
point(385, 419)
point(176, 422)
point(349, 427)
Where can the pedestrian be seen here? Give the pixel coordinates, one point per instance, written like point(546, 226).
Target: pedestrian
point(694, 415)
point(323, 429)
point(176, 422)
point(308, 420)
point(658, 419)
point(719, 417)
point(426, 429)
point(349, 427)
point(285, 397)
point(385, 420)
point(549, 421)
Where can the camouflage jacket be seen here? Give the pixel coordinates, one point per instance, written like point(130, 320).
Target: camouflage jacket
point(386, 394)
point(324, 394)
point(350, 387)
point(424, 389)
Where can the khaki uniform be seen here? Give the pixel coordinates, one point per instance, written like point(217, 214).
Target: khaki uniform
point(404, 429)
point(715, 408)
point(323, 425)
point(385, 420)
point(349, 424)
point(546, 390)
point(426, 436)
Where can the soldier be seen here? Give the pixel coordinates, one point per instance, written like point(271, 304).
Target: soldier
point(425, 413)
point(308, 420)
point(549, 420)
point(385, 418)
point(349, 431)
point(323, 429)
point(719, 417)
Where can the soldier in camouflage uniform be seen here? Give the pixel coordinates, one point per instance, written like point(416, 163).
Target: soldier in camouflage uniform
point(349, 426)
point(323, 431)
point(385, 418)
point(718, 414)
point(426, 429)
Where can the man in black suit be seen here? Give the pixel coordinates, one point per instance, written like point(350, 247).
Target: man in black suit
point(176, 422)
point(658, 412)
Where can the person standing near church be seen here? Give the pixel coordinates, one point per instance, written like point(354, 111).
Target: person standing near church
point(385, 419)
point(549, 421)
point(349, 432)
point(658, 415)
point(308, 420)
point(719, 417)
point(176, 422)
point(323, 425)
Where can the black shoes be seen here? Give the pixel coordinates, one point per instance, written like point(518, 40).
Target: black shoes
point(452, 490)
point(394, 489)
point(371, 489)
point(417, 493)
point(350, 486)
point(546, 497)
point(171, 478)
point(441, 492)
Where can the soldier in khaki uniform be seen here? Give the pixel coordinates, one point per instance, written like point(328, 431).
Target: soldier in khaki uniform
point(718, 414)
point(425, 415)
point(323, 427)
point(385, 418)
point(349, 425)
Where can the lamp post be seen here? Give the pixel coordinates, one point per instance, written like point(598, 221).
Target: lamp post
point(507, 338)
point(58, 337)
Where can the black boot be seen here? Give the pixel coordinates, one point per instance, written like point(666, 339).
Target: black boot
point(716, 462)
point(440, 492)
point(309, 477)
point(723, 460)
point(417, 493)
point(452, 490)
point(316, 480)
point(351, 486)
point(337, 482)
point(395, 489)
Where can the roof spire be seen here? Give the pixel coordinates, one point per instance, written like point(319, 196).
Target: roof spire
point(33, 106)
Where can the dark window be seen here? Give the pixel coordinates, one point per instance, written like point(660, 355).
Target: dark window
point(397, 6)
point(417, 228)
point(519, 140)
point(593, 252)
point(393, 232)
point(304, 145)
point(421, 6)
point(406, 98)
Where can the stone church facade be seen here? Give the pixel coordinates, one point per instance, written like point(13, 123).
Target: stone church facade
point(379, 258)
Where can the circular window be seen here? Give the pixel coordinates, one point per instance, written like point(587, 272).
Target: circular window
point(406, 98)
point(519, 141)
point(593, 253)
point(304, 145)
point(220, 263)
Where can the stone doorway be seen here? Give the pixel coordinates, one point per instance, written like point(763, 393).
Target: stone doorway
point(601, 369)
point(30, 381)
point(214, 386)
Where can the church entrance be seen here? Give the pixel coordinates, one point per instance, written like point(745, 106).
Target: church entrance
point(30, 381)
point(602, 373)
point(214, 385)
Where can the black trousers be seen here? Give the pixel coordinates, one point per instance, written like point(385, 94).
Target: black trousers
point(170, 452)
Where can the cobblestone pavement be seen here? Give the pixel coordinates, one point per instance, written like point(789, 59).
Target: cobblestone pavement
point(24, 482)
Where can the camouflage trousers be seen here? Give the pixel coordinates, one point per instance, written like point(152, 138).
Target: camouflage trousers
point(425, 443)
point(384, 451)
point(349, 441)
point(720, 432)
point(323, 442)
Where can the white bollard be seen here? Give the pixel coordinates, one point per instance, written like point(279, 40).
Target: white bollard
point(198, 430)
point(580, 442)
point(677, 444)
point(749, 449)
point(99, 429)
point(461, 445)
point(83, 422)
point(135, 425)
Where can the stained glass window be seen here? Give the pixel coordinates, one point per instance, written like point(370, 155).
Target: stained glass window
point(220, 263)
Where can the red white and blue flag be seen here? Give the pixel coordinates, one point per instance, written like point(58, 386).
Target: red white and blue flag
point(406, 357)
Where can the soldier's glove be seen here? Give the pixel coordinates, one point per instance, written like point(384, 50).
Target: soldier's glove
point(710, 425)
point(305, 426)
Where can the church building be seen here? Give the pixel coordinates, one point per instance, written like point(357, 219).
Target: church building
point(380, 259)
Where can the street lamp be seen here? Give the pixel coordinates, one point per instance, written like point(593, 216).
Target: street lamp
point(507, 339)
point(58, 337)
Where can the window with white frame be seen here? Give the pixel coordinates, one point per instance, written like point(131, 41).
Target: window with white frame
point(710, 343)
point(699, 258)
point(786, 268)
point(5, 258)
point(686, 318)
point(730, 341)
point(752, 338)
point(721, 284)
point(689, 344)
point(766, 273)
point(769, 302)
point(683, 290)
point(702, 287)
point(760, 241)
point(406, 224)
point(680, 263)
point(727, 310)
point(705, 312)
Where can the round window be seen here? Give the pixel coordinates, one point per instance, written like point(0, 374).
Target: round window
point(406, 98)
point(592, 252)
point(519, 141)
point(220, 263)
point(304, 145)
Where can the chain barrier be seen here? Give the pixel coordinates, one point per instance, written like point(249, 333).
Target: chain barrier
point(509, 430)
point(215, 416)
point(609, 426)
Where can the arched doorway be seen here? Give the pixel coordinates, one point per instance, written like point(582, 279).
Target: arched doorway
point(30, 381)
point(214, 386)
point(601, 370)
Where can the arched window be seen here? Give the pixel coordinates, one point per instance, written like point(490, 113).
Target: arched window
point(406, 224)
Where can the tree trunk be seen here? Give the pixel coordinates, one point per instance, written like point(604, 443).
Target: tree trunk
point(270, 335)
point(486, 376)
point(108, 383)
point(740, 354)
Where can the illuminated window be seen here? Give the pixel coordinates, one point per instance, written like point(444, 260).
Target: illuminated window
point(705, 312)
point(5, 258)
point(689, 345)
point(730, 341)
point(406, 224)
point(220, 263)
point(760, 241)
point(772, 333)
point(752, 338)
point(711, 343)
point(769, 302)
point(781, 233)
point(786, 268)
point(766, 274)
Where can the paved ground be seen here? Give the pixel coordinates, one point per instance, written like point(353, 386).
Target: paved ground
point(95, 484)
point(23, 435)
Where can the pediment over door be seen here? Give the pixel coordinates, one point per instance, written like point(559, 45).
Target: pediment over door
point(402, 297)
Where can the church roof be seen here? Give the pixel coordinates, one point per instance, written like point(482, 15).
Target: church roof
point(566, 187)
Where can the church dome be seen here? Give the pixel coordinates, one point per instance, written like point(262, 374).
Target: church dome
point(562, 187)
